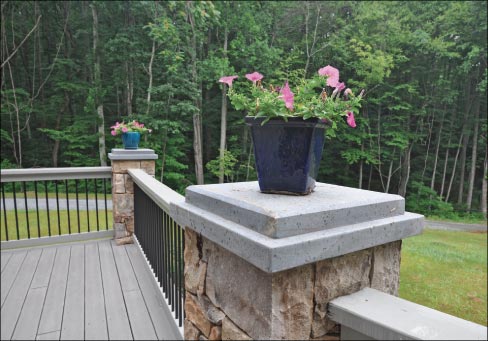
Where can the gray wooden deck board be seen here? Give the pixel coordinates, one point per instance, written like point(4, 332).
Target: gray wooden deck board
point(117, 320)
point(10, 272)
point(28, 322)
point(15, 300)
point(95, 317)
point(152, 297)
point(52, 313)
point(5, 260)
point(90, 290)
point(74, 305)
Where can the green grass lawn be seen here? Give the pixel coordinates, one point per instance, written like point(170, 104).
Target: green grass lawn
point(447, 271)
point(62, 227)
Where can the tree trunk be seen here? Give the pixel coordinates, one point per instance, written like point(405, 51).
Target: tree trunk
point(432, 181)
point(97, 79)
point(197, 121)
point(462, 161)
point(454, 168)
point(223, 119)
point(197, 147)
point(402, 190)
point(484, 184)
point(469, 199)
point(150, 73)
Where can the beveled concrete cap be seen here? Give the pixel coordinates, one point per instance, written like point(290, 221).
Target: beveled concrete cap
point(132, 154)
point(279, 216)
point(279, 232)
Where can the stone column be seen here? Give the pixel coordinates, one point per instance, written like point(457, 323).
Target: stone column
point(264, 266)
point(123, 188)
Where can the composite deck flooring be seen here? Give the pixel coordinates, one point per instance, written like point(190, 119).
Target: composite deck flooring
point(92, 290)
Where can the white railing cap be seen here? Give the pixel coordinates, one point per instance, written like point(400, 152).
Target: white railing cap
point(60, 173)
point(385, 317)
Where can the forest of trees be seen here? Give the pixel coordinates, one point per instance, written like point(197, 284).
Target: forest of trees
point(70, 70)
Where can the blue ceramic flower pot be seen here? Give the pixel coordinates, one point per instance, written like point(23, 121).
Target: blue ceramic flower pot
point(131, 139)
point(287, 154)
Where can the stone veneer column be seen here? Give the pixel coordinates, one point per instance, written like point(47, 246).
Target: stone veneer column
point(123, 188)
point(264, 266)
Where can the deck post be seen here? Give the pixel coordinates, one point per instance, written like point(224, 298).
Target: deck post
point(264, 266)
point(123, 188)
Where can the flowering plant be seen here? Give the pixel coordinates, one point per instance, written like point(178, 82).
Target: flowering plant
point(134, 126)
point(322, 97)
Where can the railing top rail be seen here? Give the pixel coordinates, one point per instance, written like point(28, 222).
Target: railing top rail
point(380, 316)
point(63, 173)
point(161, 194)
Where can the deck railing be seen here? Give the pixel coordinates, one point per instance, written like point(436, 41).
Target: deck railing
point(160, 237)
point(45, 202)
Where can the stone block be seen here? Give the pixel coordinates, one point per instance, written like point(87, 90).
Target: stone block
point(215, 333)
point(129, 184)
point(123, 241)
point(386, 267)
point(212, 313)
point(149, 167)
point(118, 183)
point(231, 332)
point(195, 313)
point(292, 303)
point(123, 204)
point(120, 231)
point(239, 289)
point(191, 332)
point(123, 166)
point(195, 270)
point(336, 277)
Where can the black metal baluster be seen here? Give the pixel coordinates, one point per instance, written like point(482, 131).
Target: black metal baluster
point(4, 213)
point(77, 205)
point(177, 271)
point(47, 208)
point(67, 205)
point(57, 206)
point(37, 211)
point(184, 295)
point(105, 197)
point(171, 267)
point(158, 244)
point(163, 251)
point(87, 210)
point(96, 203)
point(15, 209)
point(26, 210)
point(166, 242)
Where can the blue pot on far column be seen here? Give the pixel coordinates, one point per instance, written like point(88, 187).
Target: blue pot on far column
point(131, 139)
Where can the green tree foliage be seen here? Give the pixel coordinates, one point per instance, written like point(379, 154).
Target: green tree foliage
point(422, 65)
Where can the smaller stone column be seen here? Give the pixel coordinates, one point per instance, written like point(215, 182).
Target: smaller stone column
point(123, 188)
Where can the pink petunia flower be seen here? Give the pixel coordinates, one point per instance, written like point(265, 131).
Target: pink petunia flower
point(350, 119)
point(125, 130)
point(332, 75)
point(227, 80)
point(113, 132)
point(254, 77)
point(340, 86)
point(287, 96)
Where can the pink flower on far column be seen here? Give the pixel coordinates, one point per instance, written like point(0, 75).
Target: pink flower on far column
point(254, 77)
point(113, 132)
point(350, 119)
point(332, 75)
point(287, 96)
point(125, 130)
point(227, 80)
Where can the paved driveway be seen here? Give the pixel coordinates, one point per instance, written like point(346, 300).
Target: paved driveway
point(31, 204)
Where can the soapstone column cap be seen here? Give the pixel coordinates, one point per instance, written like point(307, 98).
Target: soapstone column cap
point(132, 154)
point(279, 232)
